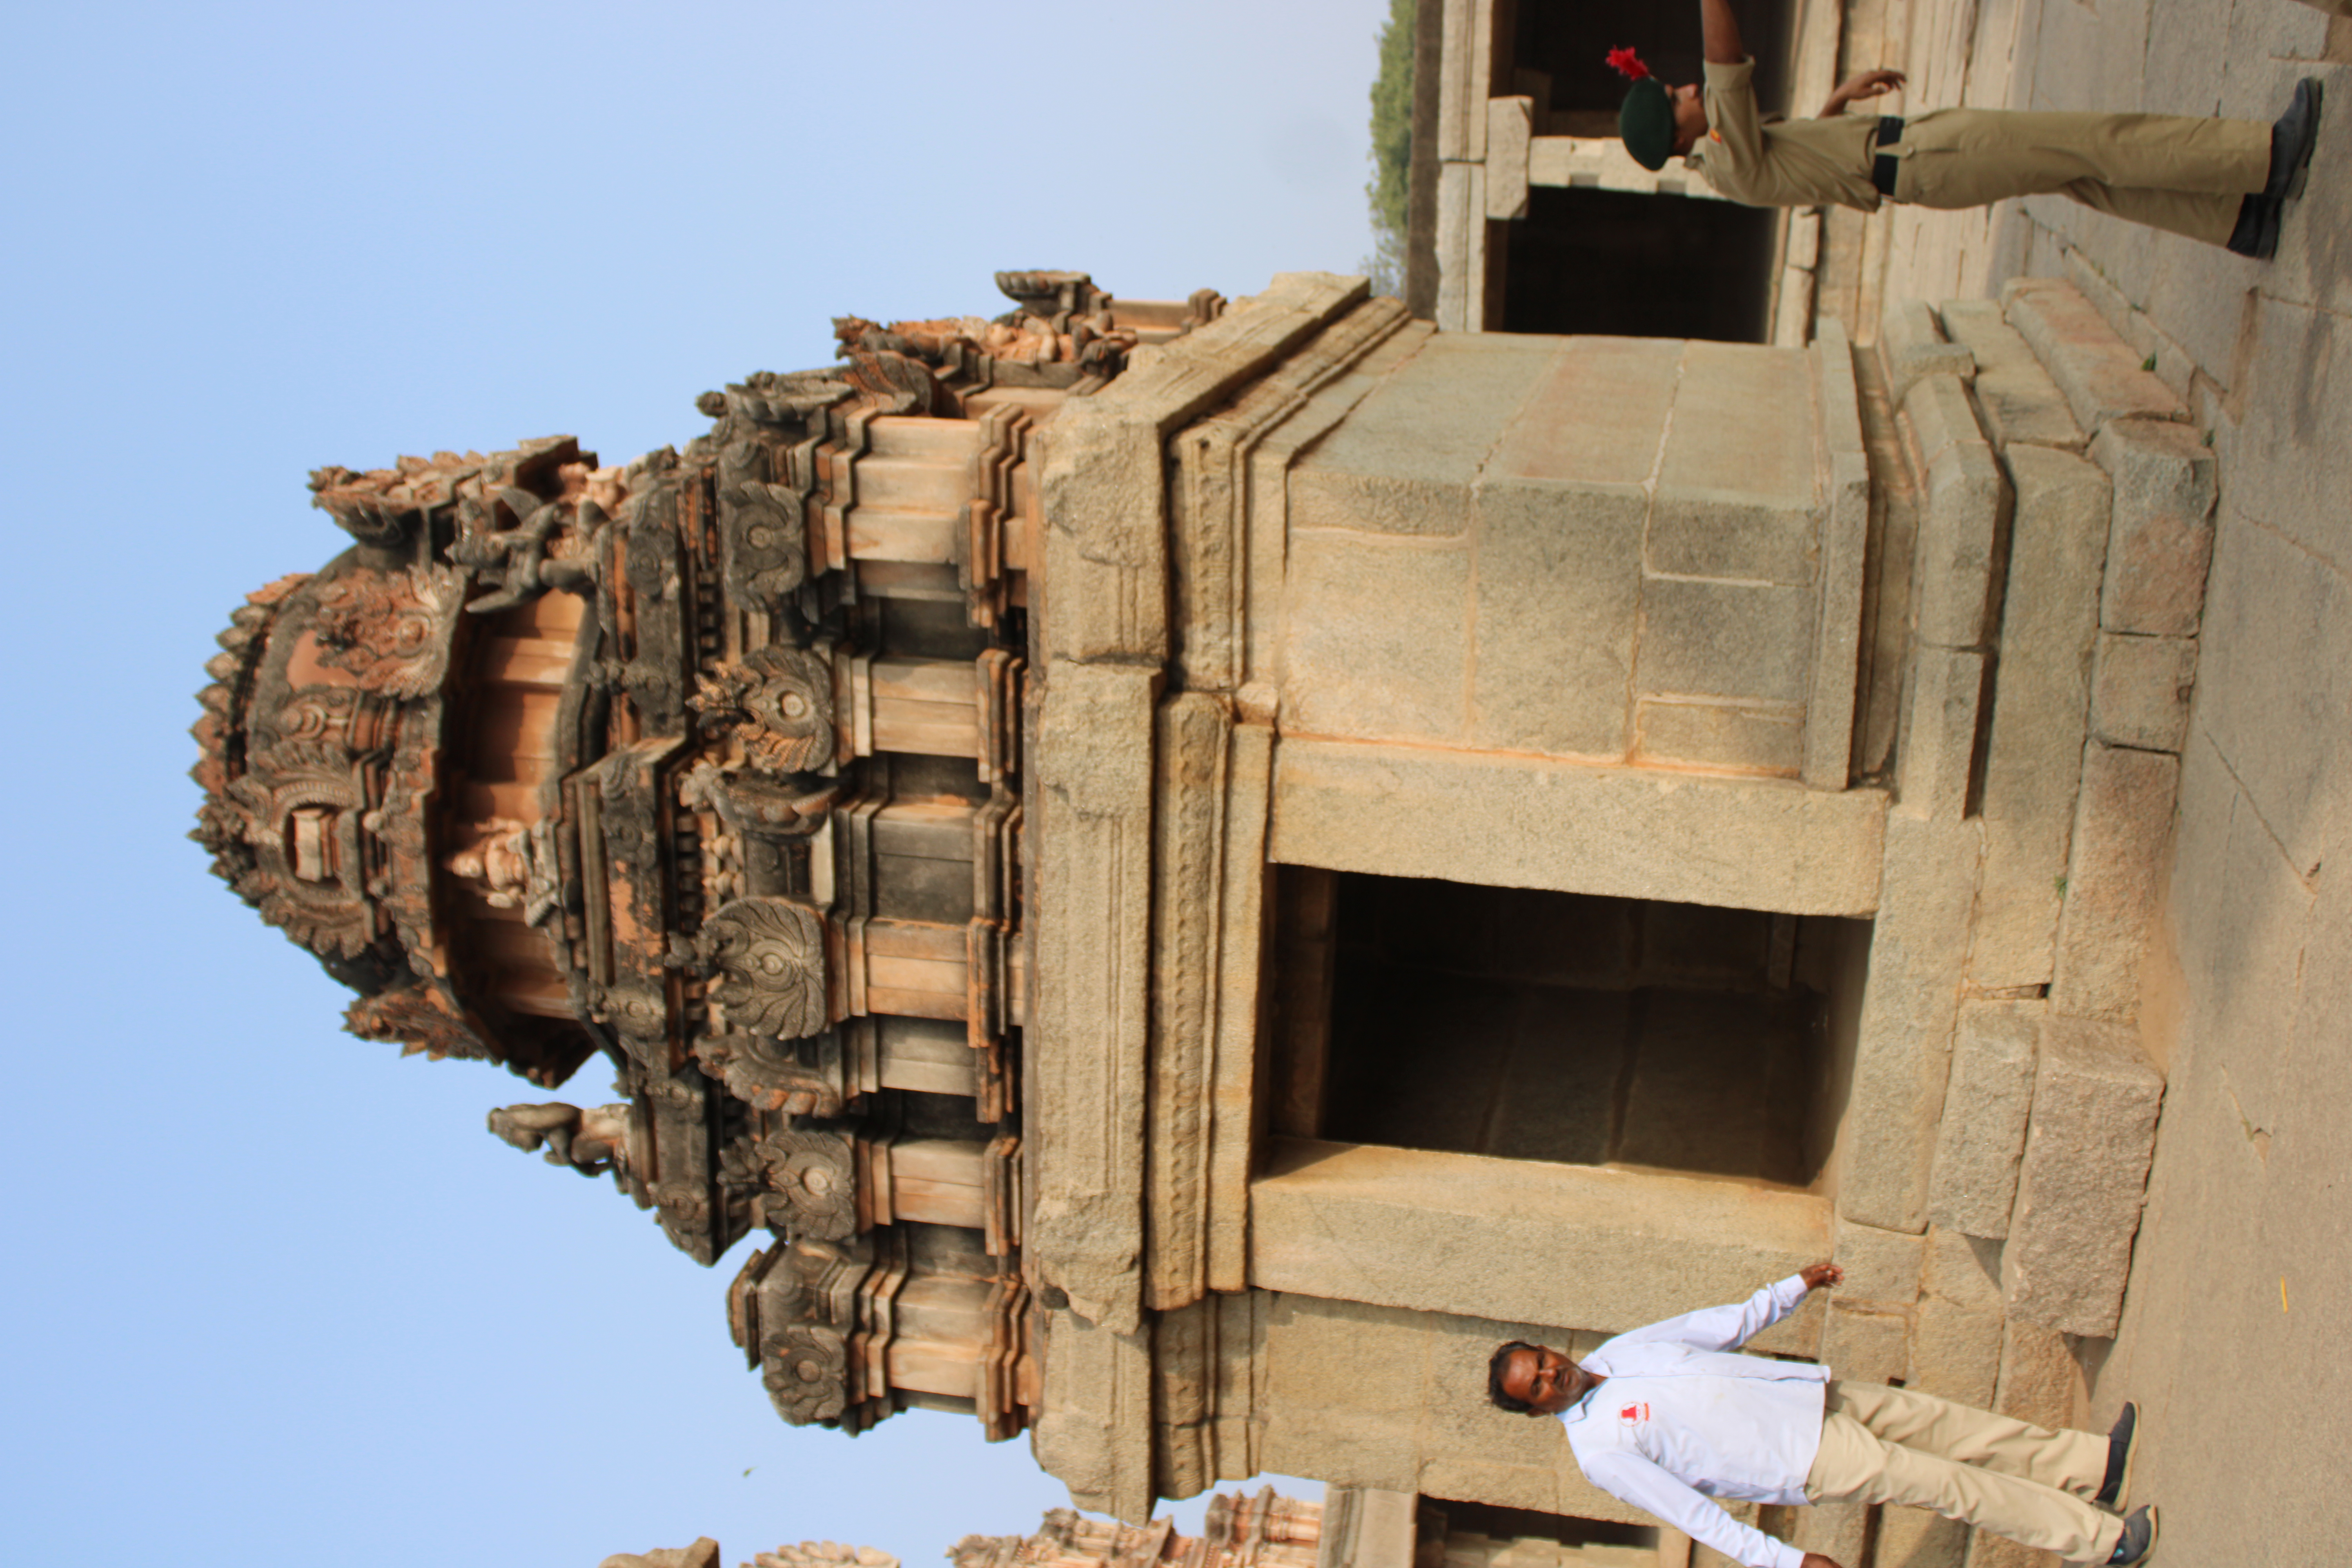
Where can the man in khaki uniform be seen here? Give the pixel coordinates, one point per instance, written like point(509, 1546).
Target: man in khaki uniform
point(2221, 181)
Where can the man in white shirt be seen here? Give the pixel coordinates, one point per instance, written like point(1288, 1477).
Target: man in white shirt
point(1667, 1417)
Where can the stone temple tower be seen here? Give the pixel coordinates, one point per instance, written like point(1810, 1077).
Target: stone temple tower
point(1173, 859)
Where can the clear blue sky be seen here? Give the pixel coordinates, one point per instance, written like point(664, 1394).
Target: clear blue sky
point(273, 1295)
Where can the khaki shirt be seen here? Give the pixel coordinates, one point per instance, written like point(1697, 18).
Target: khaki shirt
point(1787, 164)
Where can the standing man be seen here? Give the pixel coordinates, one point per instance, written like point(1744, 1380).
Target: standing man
point(2221, 181)
point(1666, 1418)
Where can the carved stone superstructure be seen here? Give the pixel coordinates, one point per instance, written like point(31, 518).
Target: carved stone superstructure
point(710, 764)
point(1184, 863)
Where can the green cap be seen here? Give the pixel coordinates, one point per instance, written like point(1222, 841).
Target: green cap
point(1647, 123)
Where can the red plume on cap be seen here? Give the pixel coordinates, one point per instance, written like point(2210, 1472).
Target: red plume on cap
point(1628, 64)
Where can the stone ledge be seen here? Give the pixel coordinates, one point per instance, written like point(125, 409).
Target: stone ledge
point(1503, 820)
point(1482, 1237)
point(2098, 372)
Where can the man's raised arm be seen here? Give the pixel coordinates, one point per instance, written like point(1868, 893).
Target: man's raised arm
point(1726, 1327)
point(1719, 32)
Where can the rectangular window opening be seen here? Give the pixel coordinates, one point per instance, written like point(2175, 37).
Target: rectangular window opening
point(1531, 1025)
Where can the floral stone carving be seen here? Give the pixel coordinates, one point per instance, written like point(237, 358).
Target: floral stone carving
point(812, 1172)
point(778, 701)
point(806, 1369)
point(391, 630)
point(770, 956)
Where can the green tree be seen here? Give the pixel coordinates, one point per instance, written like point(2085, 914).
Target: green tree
point(1390, 190)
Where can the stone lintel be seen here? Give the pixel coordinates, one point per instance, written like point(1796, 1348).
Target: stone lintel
point(1520, 1240)
point(1502, 820)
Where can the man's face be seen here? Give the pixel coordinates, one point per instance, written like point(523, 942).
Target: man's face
point(1547, 1380)
point(1690, 116)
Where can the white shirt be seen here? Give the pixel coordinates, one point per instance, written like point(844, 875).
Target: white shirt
point(1679, 1417)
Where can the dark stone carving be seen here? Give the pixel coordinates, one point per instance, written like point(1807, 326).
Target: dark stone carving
point(418, 1018)
point(778, 701)
point(766, 528)
point(300, 804)
point(767, 1075)
point(806, 1369)
point(770, 955)
point(391, 630)
point(518, 558)
point(655, 677)
point(813, 1172)
point(593, 1143)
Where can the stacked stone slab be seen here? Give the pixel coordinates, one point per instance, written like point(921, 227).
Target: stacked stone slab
point(2065, 528)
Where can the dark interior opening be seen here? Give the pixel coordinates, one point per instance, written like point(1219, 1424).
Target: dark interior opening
point(1571, 43)
point(1540, 1025)
point(1500, 1523)
point(1629, 265)
point(1626, 264)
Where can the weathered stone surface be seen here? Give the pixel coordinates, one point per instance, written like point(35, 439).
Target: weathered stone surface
point(2160, 541)
point(2040, 1380)
point(1886, 1136)
point(1196, 747)
point(1983, 1136)
point(1735, 490)
point(1363, 1527)
point(1558, 594)
point(2020, 404)
point(1627, 832)
point(2099, 374)
point(1863, 1346)
point(2033, 750)
point(1963, 518)
point(1956, 1338)
point(1417, 1422)
point(1378, 644)
point(2121, 823)
point(1088, 1034)
point(1912, 344)
point(1477, 1236)
point(1726, 639)
point(1229, 494)
point(1510, 123)
point(1882, 1267)
point(1095, 1437)
point(1844, 550)
point(1404, 460)
point(1914, 1537)
point(1838, 1530)
point(2139, 690)
point(2084, 1177)
point(1738, 736)
point(1101, 470)
point(1939, 731)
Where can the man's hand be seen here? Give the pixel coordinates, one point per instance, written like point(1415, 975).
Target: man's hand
point(1815, 1559)
point(1815, 1275)
point(1867, 84)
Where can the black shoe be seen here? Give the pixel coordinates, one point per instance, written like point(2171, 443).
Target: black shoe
point(2116, 1484)
point(2292, 137)
point(2140, 1537)
point(2257, 233)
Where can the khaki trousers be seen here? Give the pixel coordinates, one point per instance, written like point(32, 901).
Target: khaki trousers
point(1997, 1473)
point(2182, 174)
